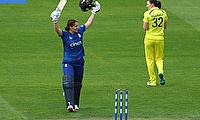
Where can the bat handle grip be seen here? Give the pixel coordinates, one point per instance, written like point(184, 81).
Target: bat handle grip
point(58, 9)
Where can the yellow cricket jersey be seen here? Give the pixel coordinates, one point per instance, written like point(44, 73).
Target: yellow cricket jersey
point(155, 18)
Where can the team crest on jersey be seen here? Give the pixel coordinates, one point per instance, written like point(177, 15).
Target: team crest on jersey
point(79, 35)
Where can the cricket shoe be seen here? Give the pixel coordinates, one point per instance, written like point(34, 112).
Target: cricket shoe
point(150, 84)
point(162, 80)
point(76, 107)
point(70, 108)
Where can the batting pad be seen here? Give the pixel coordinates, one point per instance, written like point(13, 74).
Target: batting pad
point(13, 2)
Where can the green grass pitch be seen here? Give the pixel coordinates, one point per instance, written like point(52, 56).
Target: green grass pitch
point(31, 54)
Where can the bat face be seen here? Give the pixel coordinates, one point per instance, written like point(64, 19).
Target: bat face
point(61, 5)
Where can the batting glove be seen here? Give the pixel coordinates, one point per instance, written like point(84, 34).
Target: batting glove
point(55, 15)
point(96, 8)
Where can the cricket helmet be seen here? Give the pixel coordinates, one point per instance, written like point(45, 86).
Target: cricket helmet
point(86, 5)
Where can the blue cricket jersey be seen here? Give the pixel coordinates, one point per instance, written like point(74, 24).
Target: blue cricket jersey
point(73, 45)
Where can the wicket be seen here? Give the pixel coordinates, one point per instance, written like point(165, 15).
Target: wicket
point(119, 95)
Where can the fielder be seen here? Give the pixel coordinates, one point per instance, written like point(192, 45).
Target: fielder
point(154, 23)
point(73, 60)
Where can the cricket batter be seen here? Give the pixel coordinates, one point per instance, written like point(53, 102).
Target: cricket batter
point(154, 23)
point(73, 61)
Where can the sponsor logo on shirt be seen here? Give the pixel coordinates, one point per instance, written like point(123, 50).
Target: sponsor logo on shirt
point(75, 44)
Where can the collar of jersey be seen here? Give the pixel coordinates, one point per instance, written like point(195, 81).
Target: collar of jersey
point(154, 8)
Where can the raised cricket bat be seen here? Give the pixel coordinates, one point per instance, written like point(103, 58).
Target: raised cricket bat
point(61, 5)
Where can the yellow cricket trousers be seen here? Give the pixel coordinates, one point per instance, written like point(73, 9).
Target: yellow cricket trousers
point(154, 55)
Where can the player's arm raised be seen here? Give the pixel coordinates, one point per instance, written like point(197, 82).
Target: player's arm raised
point(56, 14)
point(54, 17)
point(90, 21)
point(94, 11)
point(57, 29)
